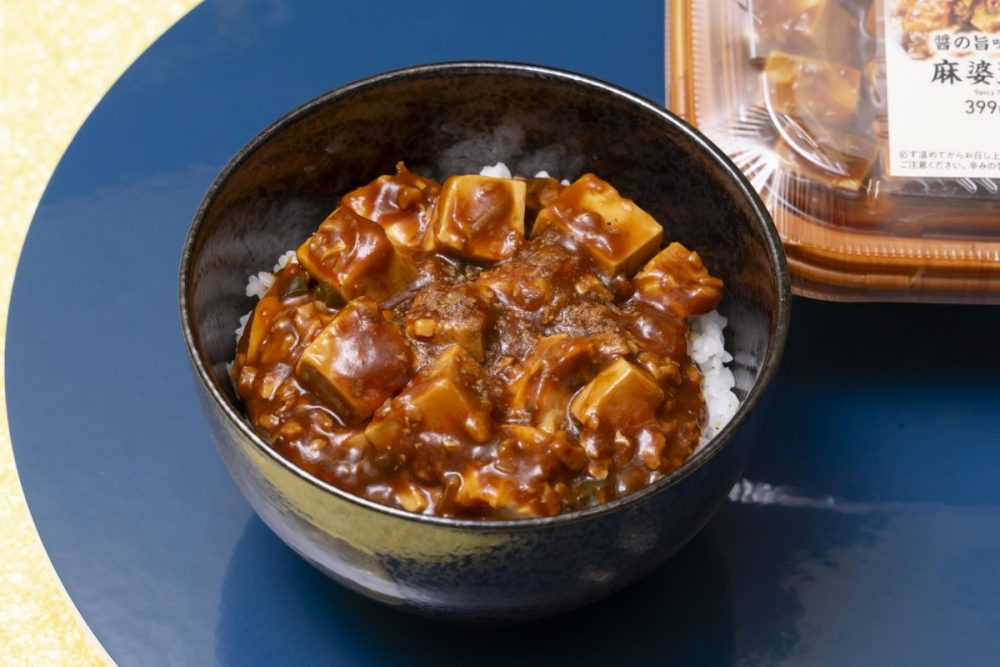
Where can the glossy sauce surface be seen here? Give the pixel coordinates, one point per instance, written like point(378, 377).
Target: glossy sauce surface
point(550, 379)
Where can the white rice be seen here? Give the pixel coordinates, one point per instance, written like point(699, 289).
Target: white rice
point(498, 170)
point(706, 341)
point(243, 324)
point(259, 283)
point(284, 260)
point(706, 345)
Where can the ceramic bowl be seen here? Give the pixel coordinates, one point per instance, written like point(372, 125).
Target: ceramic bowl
point(454, 118)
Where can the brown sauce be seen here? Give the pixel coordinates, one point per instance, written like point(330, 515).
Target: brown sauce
point(413, 372)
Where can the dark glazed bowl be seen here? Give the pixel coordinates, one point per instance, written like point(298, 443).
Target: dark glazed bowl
point(454, 118)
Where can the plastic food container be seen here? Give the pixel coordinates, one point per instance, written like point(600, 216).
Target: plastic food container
point(871, 129)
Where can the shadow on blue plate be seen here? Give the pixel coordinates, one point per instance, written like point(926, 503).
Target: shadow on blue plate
point(733, 594)
point(681, 611)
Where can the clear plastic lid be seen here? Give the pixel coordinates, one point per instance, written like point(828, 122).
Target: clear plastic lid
point(871, 129)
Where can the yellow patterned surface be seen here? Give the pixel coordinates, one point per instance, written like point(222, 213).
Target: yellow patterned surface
point(57, 58)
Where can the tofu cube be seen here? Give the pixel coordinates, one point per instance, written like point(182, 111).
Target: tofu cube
point(820, 26)
point(401, 203)
point(780, 20)
point(926, 16)
point(357, 361)
point(870, 23)
point(846, 160)
point(986, 17)
point(540, 193)
point(258, 328)
point(480, 489)
point(617, 235)
point(526, 446)
point(812, 91)
point(558, 366)
point(677, 281)
point(445, 314)
point(352, 257)
point(874, 83)
point(621, 396)
point(449, 400)
point(479, 218)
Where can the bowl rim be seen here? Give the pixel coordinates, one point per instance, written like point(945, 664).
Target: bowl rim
point(772, 358)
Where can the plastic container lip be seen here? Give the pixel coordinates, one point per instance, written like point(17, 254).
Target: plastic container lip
point(893, 261)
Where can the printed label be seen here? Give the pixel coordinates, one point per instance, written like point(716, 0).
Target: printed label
point(943, 84)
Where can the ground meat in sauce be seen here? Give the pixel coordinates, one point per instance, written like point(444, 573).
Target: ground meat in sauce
point(457, 368)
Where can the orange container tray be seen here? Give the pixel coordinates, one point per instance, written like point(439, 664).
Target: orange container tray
point(796, 92)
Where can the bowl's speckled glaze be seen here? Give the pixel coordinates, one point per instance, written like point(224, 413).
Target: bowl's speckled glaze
point(454, 118)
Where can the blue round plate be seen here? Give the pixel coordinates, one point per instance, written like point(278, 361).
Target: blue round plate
point(866, 532)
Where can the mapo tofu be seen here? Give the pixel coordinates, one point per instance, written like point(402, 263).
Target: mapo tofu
point(485, 348)
point(920, 19)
